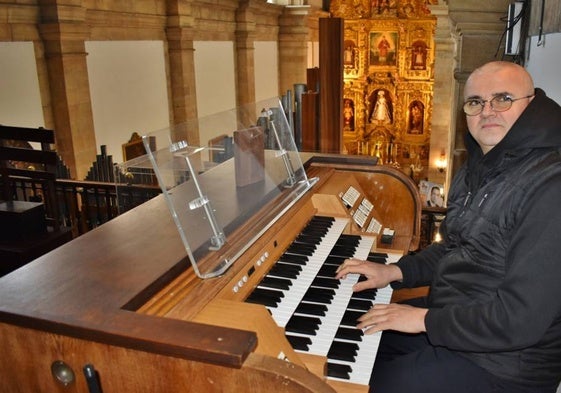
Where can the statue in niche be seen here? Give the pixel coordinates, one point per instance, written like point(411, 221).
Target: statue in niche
point(348, 115)
point(416, 117)
point(419, 56)
point(349, 54)
point(381, 106)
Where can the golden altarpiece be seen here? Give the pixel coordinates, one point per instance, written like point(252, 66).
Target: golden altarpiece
point(388, 64)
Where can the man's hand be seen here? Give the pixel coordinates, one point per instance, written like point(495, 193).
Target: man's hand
point(377, 275)
point(403, 318)
point(393, 316)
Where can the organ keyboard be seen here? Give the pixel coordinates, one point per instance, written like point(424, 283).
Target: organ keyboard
point(317, 311)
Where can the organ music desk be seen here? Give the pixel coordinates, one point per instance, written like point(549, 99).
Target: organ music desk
point(124, 298)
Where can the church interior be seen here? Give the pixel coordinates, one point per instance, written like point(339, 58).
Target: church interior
point(103, 264)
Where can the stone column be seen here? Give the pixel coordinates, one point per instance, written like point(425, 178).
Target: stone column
point(245, 58)
point(63, 31)
point(183, 92)
point(293, 46)
point(443, 114)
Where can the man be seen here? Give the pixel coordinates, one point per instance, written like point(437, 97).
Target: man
point(435, 199)
point(492, 320)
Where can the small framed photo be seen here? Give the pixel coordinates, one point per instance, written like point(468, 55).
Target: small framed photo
point(432, 194)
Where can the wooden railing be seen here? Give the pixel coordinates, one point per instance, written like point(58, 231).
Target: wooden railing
point(84, 205)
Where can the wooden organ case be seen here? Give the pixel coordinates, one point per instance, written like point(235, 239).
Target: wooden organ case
point(124, 299)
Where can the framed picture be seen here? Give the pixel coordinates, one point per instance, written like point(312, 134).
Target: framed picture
point(431, 194)
point(135, 147)
point(383, 48)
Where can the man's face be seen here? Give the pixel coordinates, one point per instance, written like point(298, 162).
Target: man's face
point(489, 127)
point(435, 193)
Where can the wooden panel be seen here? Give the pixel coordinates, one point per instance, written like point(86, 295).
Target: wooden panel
point(312, 79)
point(310, 117)
point(271, 339)
point(551, 11)
point(331, 84)
point(29, 354)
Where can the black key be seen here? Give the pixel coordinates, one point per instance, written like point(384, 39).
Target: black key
point(328, 270)
point(359, 304)
point(316, 229)
point(299, 342)
point(319, 295)
point(316, 232)
point(308, 238)
point(341, 356)
point(303, 325)
point(341, 371)
point(311, 309)
point(343, 351)
point(350, 318)
point(266, 297)
point(325, 219)
point(317, 226)
point(342, 346)
point(275, 282)
point(367, 294)
point(379, 254)
point(351, 334)
point(377, 257)
point(268, 302)
point(343, 251)
point(293, 258)
point(349, 238)
point(301, 249)
point(326, 282)
point(285, 270)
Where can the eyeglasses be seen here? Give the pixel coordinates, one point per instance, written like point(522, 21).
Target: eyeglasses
point(499, 103)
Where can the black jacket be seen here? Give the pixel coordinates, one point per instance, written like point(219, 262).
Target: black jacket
point(496, 278)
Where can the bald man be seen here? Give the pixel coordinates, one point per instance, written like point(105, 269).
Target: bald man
point(492, 320)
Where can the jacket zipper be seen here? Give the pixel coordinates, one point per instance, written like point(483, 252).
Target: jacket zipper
point(482, 199)
point(466, 203)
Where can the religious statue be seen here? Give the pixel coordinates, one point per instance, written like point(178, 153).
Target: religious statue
point(418, 56)
point(348, 115)
point(416, 118)
point(381, 112)
point(383, 49)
